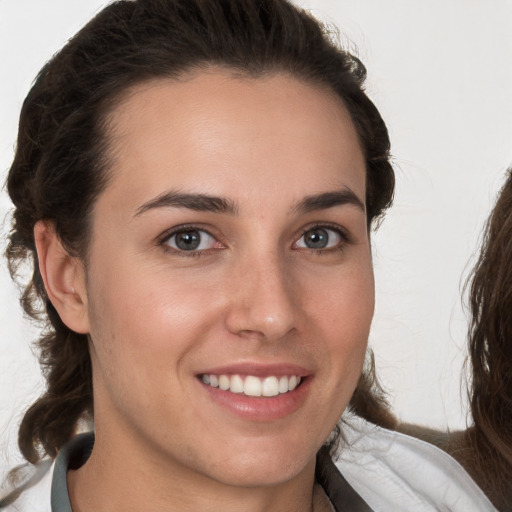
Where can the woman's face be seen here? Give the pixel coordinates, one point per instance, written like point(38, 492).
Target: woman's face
point(230, 249)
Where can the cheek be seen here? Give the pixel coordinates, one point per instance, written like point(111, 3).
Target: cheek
point(342, 313)
point(342, 317)
point(145, 331)
point(144, 301)
point(145, 322)
point(344, 305)
point(149, 322)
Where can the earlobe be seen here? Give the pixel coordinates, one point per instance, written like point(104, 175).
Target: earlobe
point(63, 276)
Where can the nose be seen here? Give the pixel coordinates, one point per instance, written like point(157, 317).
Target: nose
point(264, 302)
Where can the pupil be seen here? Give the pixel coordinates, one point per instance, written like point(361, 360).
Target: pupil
point(188, 240)
point(316, 238)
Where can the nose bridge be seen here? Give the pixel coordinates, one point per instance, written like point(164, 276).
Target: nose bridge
point(264, 300)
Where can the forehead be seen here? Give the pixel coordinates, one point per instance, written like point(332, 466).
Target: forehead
point(212, 130)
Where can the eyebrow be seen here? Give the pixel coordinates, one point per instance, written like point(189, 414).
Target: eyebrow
point(215, 204)
point(327, 200)
point(197, 202)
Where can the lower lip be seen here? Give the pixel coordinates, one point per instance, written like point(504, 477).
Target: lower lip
point(260, 408)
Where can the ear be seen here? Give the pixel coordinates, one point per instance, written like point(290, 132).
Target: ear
point(63, 276)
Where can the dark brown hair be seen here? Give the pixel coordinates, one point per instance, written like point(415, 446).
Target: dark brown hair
point(61, 160)
point(490, 352)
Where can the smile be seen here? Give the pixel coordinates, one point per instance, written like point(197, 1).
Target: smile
point(252, 385)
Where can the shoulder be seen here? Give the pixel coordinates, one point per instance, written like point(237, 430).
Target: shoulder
point(31, 491)
point(395, 472)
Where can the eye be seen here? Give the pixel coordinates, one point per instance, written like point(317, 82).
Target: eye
point(189, 240)
point(320, 238)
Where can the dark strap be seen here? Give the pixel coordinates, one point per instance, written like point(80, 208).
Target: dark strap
point(71, 456)
point(342, 495)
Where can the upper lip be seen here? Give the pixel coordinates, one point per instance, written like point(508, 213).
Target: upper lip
point(258, 370)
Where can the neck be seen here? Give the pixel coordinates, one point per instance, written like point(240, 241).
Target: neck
point(131, 477)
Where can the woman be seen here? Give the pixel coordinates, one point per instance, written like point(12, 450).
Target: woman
point(491, 358)
point(195, 182)
point(485, 449)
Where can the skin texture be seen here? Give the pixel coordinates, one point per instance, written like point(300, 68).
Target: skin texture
point(254, 294)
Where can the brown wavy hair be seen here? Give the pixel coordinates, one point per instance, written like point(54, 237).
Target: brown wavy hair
point(490, 352)
point(485, 448)
point(61, 160)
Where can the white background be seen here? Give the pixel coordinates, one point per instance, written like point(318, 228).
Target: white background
point(440, 71)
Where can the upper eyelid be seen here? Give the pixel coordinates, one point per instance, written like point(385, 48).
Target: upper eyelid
point(181, 228)
point(327, 225)
point(163, 241)
point(344, 233)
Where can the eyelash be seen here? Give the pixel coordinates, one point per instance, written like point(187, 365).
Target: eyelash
point(164, 239)
point(342, 233)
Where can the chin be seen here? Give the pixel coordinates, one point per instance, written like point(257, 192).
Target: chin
point(265, 467)
point(260, 475)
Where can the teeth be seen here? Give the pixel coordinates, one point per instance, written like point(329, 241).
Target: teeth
point(237, 384)
point(224, 382)
point(251, 385)
point(283, 384)
point(270, 387)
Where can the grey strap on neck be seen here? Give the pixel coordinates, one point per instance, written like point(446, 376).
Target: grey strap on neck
point(71, 456)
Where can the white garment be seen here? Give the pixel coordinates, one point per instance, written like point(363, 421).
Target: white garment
point(392, 472)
